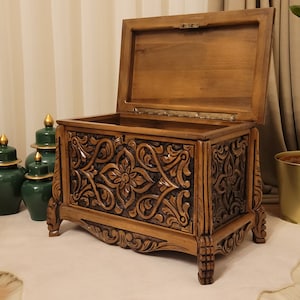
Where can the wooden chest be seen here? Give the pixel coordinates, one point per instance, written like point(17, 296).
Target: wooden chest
point(177, 166)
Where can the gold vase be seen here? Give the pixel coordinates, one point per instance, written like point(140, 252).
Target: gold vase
point(288, 173)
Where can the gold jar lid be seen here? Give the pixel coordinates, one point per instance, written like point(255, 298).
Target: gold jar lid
point(8, 154)
point(37, 169)
point(45, 137)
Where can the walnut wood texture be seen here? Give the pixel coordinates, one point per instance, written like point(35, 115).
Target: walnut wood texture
point(220, 65)
point(165, 172)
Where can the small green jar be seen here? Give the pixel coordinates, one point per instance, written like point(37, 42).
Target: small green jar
point(37, 189)
point(44, 144)
point(11, 178)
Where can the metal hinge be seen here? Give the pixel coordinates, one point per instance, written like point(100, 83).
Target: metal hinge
point(188, 114)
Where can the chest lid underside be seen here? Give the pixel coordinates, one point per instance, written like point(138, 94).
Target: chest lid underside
point(209, 63)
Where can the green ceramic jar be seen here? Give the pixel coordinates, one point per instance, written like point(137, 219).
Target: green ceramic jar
point(44, 144)
point(11, 179)
point(37, 189)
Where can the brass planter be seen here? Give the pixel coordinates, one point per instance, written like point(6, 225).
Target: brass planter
point(288, 172)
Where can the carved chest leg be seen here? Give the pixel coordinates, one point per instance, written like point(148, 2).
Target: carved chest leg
point(206, 259)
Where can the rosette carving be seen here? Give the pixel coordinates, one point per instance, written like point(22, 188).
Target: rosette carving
point(126, 178)
point(144, 180)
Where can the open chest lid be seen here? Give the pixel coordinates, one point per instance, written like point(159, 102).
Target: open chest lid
point(208, 65)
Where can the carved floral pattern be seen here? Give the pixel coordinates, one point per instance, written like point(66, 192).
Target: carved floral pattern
point(146, 180)
point(126, 178)
point(229, 162)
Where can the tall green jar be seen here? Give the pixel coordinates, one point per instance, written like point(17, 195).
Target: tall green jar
point(11, 178)
point(44, 144)
point(37, 189)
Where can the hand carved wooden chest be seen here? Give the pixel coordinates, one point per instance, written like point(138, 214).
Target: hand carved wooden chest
point(177, 166)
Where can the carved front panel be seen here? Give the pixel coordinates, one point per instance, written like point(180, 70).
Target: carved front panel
point(228, 168)
point(145, 180)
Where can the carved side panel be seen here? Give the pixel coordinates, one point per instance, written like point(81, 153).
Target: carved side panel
point(228, 168)
point(145, 180)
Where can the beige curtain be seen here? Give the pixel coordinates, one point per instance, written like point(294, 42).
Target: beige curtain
point(282, 126)
point(62, 57)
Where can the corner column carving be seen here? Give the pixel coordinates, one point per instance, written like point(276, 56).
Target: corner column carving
point(259, 229)
point(205, 242)
point(53, 216)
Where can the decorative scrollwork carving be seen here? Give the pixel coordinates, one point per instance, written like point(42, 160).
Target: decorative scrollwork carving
point(125, 239)
point(229, 161)
point(228, 244)
point(146, 180)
